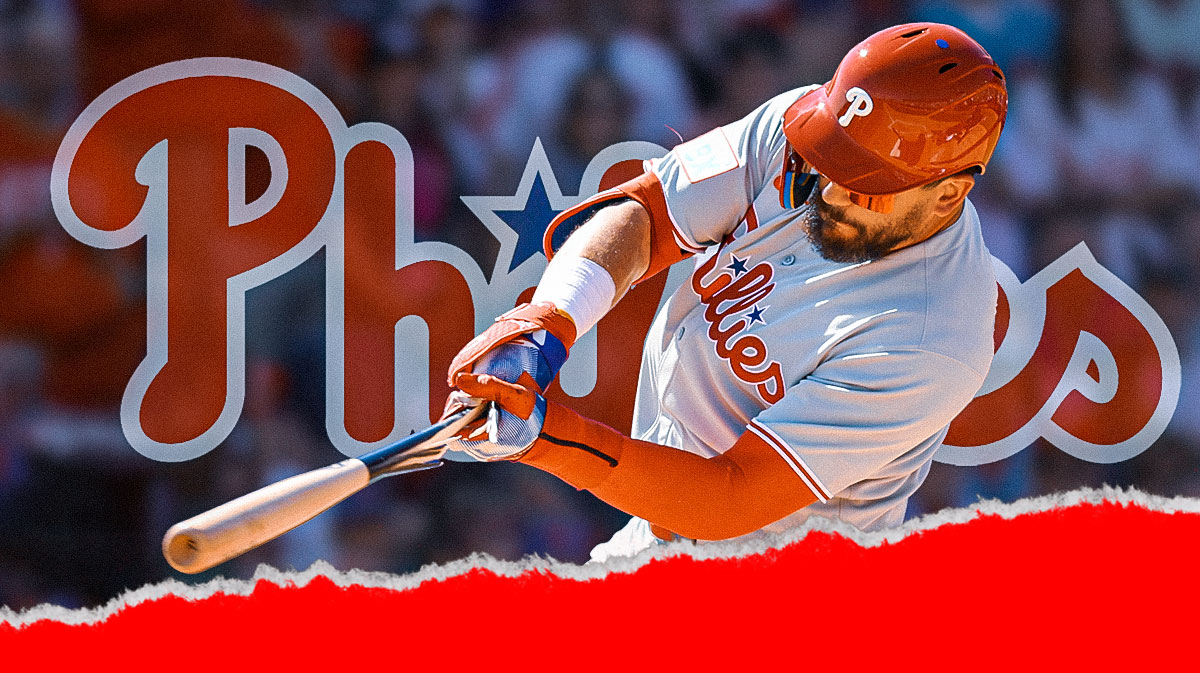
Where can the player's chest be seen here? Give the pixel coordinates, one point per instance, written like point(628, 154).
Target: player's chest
point(756, 312)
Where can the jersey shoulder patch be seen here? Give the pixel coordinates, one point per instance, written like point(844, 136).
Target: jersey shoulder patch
point(707, 156)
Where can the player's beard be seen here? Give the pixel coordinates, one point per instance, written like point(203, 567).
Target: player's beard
point(820, 221)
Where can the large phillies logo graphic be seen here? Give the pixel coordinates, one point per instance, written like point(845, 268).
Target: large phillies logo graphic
point(163, 156)
point(1081, 360)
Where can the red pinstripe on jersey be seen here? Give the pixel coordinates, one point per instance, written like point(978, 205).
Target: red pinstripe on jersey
point(801, 469)
point(751, 219)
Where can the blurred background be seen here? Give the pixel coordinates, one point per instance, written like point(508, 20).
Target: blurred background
point(1101, 146)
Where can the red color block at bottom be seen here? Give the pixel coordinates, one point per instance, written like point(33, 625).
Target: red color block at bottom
point(1090, 585)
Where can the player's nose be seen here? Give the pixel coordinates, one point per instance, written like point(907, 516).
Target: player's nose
point(833, 194)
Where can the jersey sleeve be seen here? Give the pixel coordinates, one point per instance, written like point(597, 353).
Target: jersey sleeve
point(710, 181)
point(860, 413)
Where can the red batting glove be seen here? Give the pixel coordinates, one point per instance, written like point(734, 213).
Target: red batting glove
point(516, 398)
point(524, 319)
point(513, 423)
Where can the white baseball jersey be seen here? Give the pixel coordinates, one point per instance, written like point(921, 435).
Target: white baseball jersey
point(851, 372)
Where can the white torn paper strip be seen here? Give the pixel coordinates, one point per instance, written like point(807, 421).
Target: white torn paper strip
point(714, 550)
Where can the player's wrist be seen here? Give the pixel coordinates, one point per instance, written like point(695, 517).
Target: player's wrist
point(540, 314)
point(577, 449)
point(540, 328)
point(579, 288)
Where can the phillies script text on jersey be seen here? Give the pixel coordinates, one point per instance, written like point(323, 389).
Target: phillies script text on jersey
point(732, 292)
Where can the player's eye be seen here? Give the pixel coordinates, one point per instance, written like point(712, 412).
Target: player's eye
point(799, 179)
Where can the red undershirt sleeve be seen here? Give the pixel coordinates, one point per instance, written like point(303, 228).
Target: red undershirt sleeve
point(735, 493)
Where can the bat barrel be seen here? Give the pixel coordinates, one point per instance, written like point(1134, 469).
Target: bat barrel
point(205, 540)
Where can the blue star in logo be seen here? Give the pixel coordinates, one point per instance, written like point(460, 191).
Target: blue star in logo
point(738, 266)
point(756, 315)
point(529, 223)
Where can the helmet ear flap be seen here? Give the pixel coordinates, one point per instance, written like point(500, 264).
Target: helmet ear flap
point(879, 204)
point(797, 182)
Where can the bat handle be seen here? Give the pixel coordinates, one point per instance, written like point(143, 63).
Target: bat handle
point(207, 539)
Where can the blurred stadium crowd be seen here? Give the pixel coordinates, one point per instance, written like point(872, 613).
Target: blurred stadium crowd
point(1101, 146)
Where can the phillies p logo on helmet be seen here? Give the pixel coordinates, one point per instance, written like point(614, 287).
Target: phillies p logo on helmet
point(860, 106)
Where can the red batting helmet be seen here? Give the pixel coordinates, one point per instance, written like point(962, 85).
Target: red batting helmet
point(908, 105)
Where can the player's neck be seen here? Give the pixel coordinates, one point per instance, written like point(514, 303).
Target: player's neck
point(936, 226)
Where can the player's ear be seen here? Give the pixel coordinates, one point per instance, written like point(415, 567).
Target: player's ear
point(949, 193)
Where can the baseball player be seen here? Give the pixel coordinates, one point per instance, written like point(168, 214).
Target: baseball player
point(839, 316)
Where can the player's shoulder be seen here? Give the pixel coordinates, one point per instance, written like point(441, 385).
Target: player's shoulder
point(758, 137)
point(960, 289)
point(767, 118)
point(941, 295)
point(787, 98)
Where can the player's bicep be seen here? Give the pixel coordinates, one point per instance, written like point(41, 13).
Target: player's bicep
point(858, 413)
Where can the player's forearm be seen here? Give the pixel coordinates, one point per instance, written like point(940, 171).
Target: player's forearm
point(617, 238)
point(595, 268)
point(714, 498)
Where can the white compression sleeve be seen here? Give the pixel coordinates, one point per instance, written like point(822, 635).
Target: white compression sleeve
point(579, 287)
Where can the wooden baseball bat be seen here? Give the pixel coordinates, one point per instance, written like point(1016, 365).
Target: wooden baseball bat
point(221, 533)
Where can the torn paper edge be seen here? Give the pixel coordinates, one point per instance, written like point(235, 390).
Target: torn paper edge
point(590, 571)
